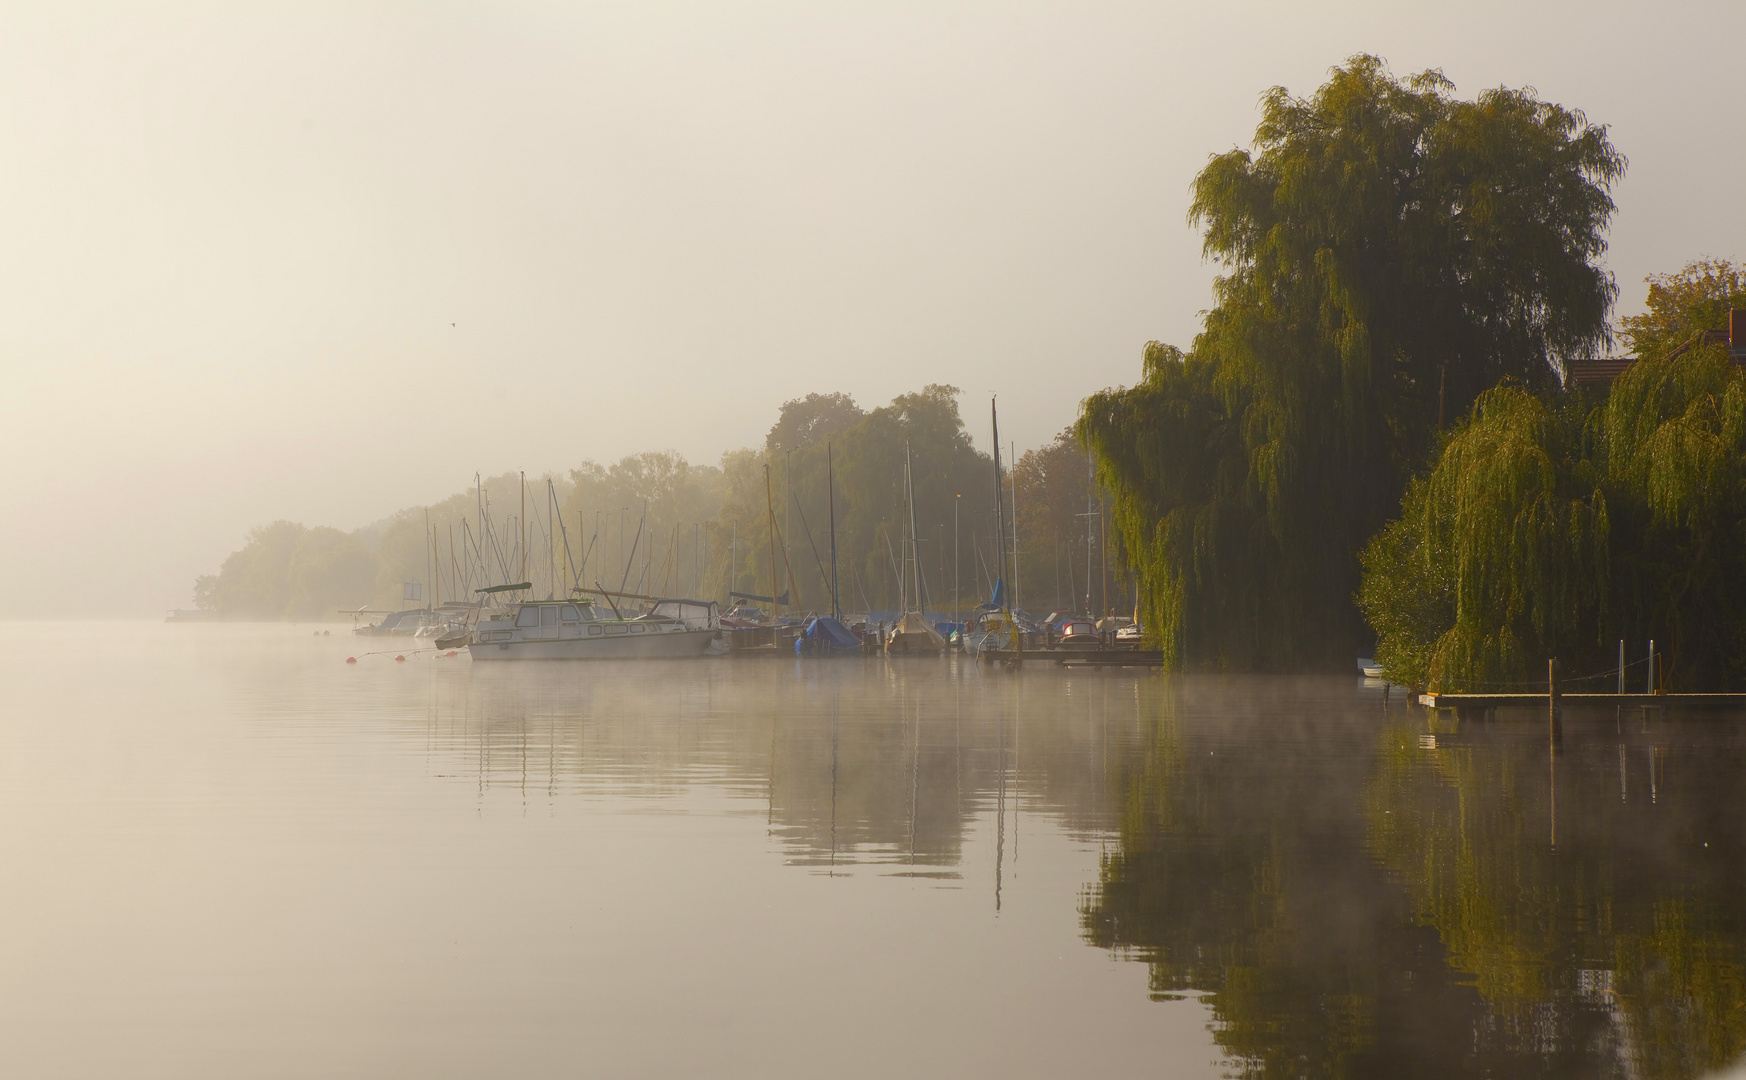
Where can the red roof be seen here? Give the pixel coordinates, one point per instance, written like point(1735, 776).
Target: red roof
point(1602, 370)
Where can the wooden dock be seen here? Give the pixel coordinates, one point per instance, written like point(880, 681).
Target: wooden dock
point(1078, 658)
point(1541, 701)
point(1098, 658)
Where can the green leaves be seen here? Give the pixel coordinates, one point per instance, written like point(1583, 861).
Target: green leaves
point(1546, 531)
point(1390, 252)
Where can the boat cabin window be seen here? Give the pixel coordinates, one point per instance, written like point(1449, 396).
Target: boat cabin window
point(569, 613)
point(548, 616)
point(528, 616)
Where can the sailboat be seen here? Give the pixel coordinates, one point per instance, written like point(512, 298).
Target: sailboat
point(997, 633)
point(825, 635)
point(913, 634)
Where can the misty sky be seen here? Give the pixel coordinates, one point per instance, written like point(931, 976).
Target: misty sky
point(323, 261)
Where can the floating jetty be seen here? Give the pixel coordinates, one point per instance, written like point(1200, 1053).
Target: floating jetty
point(1095, 658)
point(1541, 701)
point(1104, 657)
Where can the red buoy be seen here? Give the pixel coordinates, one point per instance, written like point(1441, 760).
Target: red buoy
point(400, 659)
point(351, 659)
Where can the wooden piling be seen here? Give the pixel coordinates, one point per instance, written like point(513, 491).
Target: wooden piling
point(1555, 727)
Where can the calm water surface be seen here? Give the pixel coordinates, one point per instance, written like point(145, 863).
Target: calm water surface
point(228, 853)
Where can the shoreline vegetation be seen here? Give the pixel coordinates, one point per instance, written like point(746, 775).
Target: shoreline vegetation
point(1370, 448)
point(1373, 447)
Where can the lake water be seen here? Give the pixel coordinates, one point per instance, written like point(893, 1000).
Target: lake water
point(228, 853)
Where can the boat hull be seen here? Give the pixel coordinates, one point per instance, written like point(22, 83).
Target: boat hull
point(662, 646)
point(986, 641)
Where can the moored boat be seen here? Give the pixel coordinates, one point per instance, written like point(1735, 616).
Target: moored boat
point(995, 631)
point(914, 636)
point(822, 635)
point(577, 630)
point(393, 623)
point(1078, 634)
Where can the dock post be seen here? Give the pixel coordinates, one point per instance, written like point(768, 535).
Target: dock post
point(1649, 679)
point(1555, 727)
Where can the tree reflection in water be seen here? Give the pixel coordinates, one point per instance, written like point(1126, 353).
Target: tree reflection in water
point(1386, 894)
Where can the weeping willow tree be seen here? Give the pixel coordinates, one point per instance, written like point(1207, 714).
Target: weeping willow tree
point(1547, 530)
point(1501, 555)
point(1389, 252)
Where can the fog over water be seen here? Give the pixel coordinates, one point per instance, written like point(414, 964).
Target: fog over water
point(322, 262)
point(231, 853)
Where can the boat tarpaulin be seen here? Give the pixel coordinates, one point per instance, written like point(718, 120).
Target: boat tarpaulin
point(822, 635)
point(913, 633)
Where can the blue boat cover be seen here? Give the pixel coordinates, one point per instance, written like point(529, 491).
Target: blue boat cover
point(997, 600)
point(822, 635)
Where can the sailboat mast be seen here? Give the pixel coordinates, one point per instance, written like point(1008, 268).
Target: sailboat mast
point(770, 512)
point(429, 558)
point(999, 498)
point(831, 492)
point(1015, 538)
point(914, 549)
point(456, 584)
point(1090, 482)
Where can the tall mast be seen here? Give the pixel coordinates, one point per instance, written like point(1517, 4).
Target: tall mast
point(430, 562)
point(914, 548)
point(788, 509)
point(1015, 543)
point(1090, 478)
point(523, 524)
point(770, 509)
point(999, 499)
point(831, 491)
point(457, 586)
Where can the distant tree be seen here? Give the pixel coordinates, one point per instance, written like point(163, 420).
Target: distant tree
point(288, 571)
point(1680, 304)
point(810, 420)
point(1390, 252)
point(253, 583)
point(205, 592)
point(866, 457)
point(328, 570)
point(1052, 484)
point(679, 498)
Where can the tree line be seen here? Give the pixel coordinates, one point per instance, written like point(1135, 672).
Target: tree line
point(654, 523)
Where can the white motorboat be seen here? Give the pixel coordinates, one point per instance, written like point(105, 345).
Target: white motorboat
point(577, 630)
